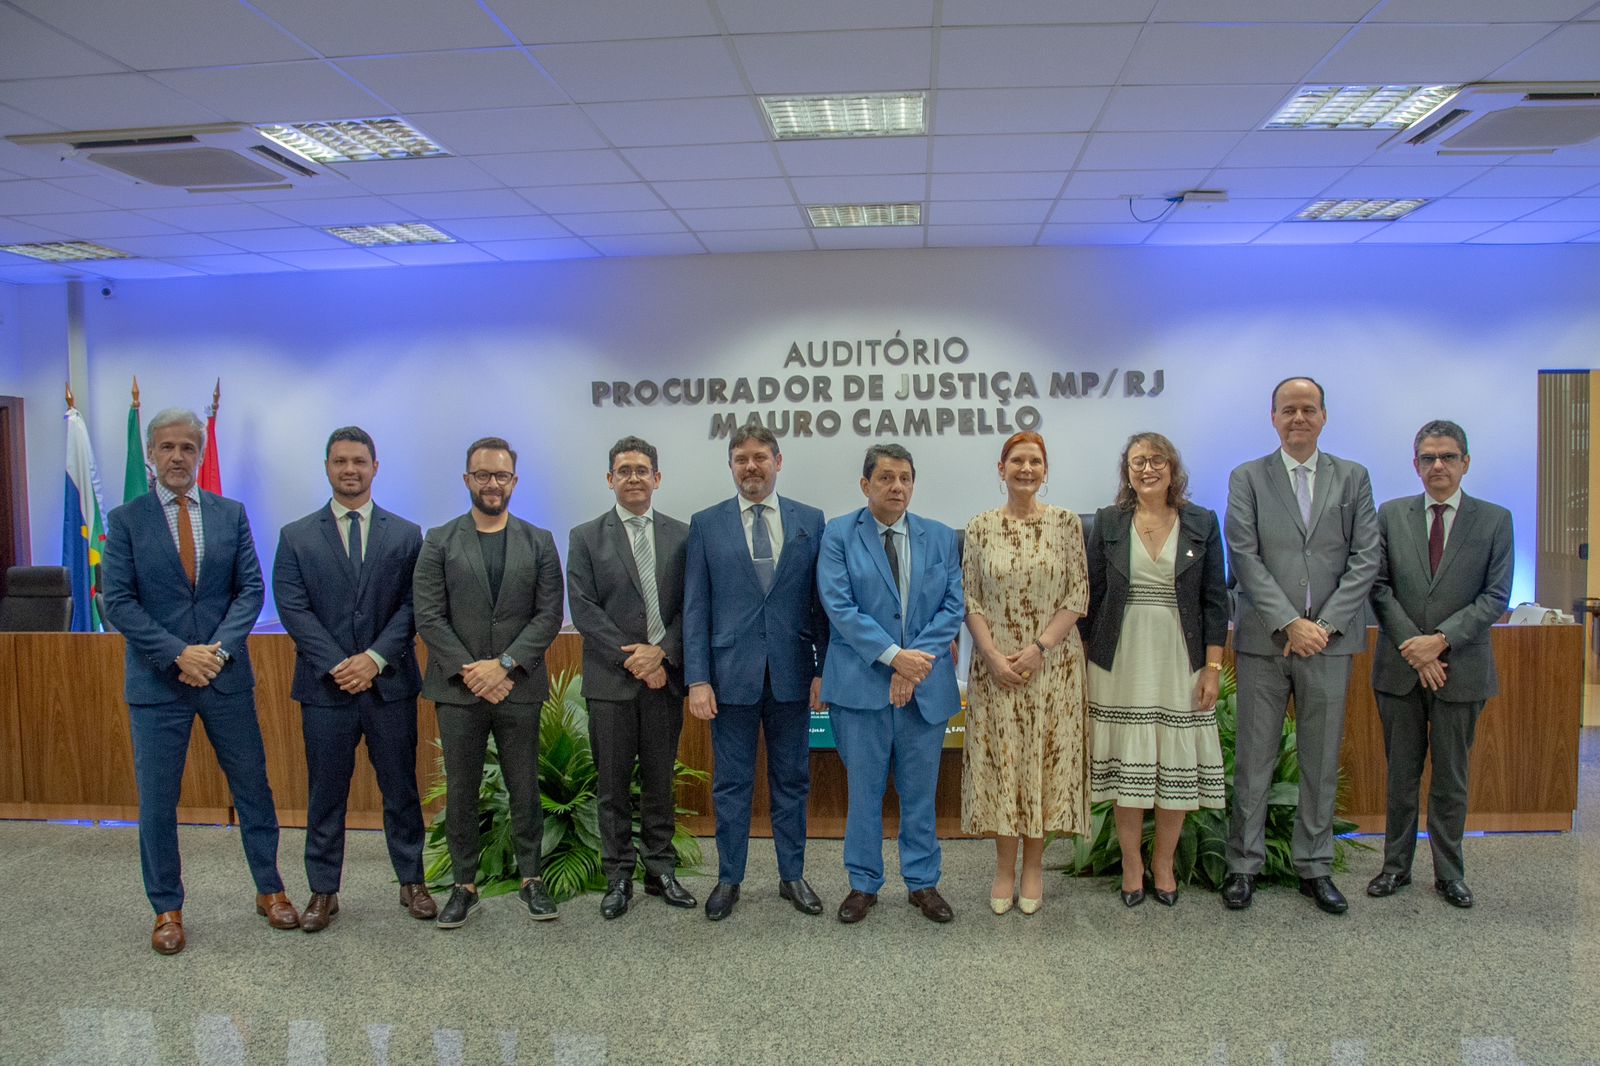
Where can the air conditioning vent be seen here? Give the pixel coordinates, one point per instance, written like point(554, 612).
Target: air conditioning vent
point(284, 161)
point(1506, 120)
point(133, 142)
point(197, 158)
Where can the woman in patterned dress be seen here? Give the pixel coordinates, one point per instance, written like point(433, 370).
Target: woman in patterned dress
point(1158, 617)
point(1023, 763)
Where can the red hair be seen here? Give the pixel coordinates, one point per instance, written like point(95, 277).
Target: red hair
point(1027, 436)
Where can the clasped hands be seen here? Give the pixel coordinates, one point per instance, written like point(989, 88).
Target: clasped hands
point(355, 674)
point(487, 680)
point(1422, 653)
point(645, 663)
point(199, 663)
point(911, 668)
point(1304, 638)
point(1016, 669)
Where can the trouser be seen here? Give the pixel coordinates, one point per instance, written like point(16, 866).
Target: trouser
point(1413, 725)
point(642, 731)
point(464, 732)
point(872, 742)
point(787, 725)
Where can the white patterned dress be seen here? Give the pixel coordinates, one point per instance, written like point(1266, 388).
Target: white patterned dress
point(1148, 746)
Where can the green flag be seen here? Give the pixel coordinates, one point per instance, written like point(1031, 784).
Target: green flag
point(136, 478)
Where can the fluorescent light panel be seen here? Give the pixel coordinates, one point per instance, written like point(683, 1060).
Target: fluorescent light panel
point(845, 115)
point(353, 140)
point(391, 233)
point(1358, 210)
point(65, 251)
point(825, 216)
point(1359, 107)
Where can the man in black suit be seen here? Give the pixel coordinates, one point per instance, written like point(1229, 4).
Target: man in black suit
point(625, 587)
point(488, 604)
point(342, 581)
point(1444, 577)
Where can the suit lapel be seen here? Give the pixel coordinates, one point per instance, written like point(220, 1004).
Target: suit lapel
point(867, 531)
point(733, 535)
point(519, 551)
point(1192, 541)
point(467, 535)
point(1115, 537)
point(1327, 487)
point(377, 529)
point(1466, 515)
point(329, 526)
point(169, 547)
point(616, 533)
point(791, 534)
point(1282, 486)
point(212, 532)
point(1415, 532)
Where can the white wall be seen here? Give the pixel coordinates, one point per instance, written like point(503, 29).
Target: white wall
point(428, 359)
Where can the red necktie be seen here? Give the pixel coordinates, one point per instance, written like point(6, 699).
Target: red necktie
point(1436, 539)
point(186, 552)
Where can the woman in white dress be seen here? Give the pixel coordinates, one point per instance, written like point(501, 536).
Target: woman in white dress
point(1158, 618)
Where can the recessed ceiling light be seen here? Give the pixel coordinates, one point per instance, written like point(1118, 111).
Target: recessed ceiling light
point(65, 251)
point(354, 140)
point(1358, 210)
point(826, 215)
point(844, 115)
point(391, 233)
point(1359, 107)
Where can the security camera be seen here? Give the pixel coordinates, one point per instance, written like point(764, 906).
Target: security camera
point(106, 291)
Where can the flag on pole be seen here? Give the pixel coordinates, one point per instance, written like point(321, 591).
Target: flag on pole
point(210, 472)
point(83, 534)
point(136, 476)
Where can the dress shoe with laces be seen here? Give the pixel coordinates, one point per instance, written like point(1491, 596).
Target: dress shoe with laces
point(672, 893)
point(320, 911)
point(277, 910)
point(614, 904)
point(418, 902)
point(1387, 884)
point(1328, 898)
point(458, 908)
point(167, 937)
point(720, 903)
point(1456, 893)
point(800, 893)
point(854, 907)
point(541, 908)
point(1237, 890)
point(935, 909)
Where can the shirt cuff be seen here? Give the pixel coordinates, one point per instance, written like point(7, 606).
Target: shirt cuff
point(383, 664)
point(887, 658)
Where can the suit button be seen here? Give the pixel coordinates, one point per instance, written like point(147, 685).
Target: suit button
point(1302, 581)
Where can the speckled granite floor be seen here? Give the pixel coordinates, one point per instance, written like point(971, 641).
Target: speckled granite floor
point(1406, 980)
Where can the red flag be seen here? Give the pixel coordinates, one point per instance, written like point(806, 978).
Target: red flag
point(210, 470)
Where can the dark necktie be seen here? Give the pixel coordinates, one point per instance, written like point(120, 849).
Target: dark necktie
point(1436, 538)
point(354, 543)
point(761, 547)
point(894, 558)
point(186, 540)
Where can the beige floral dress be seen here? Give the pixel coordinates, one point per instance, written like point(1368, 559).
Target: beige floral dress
point(1023, 770)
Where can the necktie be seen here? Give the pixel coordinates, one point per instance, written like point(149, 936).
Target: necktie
point(1302, 492)
point(185, 539)
point(354, 542)
point(894, 557)
point(644, 557)
point(761, 547)
point(1436, 538)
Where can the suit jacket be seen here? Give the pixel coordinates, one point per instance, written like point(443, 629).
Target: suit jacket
point(1276, 556)
point(863, 605)
point(332, 615)
point(734, 636)
point(149, 599)
point(1202, 589)
point(607, 601)
point(460, 624)
point(1465, 598)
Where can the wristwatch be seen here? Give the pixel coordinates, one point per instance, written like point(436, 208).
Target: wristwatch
point(1323, 625)
point(223, 657)
point(507, 663)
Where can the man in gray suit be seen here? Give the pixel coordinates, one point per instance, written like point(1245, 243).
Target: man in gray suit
point(1303, 541)
point(487, 596)
point(1444, 577)
point(625, 586)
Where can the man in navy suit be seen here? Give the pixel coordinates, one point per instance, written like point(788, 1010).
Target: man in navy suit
point(342, 580)
point(753, 648)
point(183, 586)
point(891, 584)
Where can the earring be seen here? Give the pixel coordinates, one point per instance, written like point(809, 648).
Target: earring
point(1044, 488)
point(1002, 486)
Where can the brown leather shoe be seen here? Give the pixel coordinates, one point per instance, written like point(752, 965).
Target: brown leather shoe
point(277, 910)
point(319, 912)
point(855, 906)
point(167, 936)
point(931, 904)
point(418, 903)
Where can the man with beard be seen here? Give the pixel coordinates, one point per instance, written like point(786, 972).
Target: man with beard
point(487, 596)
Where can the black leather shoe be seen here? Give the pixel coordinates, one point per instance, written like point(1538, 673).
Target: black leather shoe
point(667, 887)
point(458, 908)
point(1387, 884)
point(931, 904)
point(800, 894)
point(855, 906)
point(541, 908)
point(1237, 890)
point(1326, 894)
point(1456, 893)
point(1131, 899)
point(720, 903)
point(614, 904)
point(1165, 898)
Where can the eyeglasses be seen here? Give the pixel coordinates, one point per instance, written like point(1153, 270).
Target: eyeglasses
point(1154, 462)
point(1447, 458)
point(483, 477)
point(628, 473)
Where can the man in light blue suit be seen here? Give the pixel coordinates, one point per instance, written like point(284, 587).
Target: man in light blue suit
point(891, 584)
point(754, 638)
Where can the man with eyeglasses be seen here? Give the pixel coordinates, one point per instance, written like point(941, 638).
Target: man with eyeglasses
point(487, 595)
point(1303, 543)
point(1444, 577)
point(625, 587)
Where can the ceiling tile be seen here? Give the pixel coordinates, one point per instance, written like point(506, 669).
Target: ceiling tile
point(1533, 181)
point(1195, 108)
point(94, 225)
point(634, 196)
point(433, 254)
point(988, 13)
point(861, 189)
point(1156, 151)
point(131, 269)
point(1107, 210)
point(712, 120)
point(375, 27)
point(104, 101)
point(758, 240)
point(29, 50)
point(1575, 209)
point(1001, 58)
point(1236, 211)
point(1477, 209)
point(689, 163)
point(980, 236)
point(293, 239)
point(1479, 10)
point(746, 218)
point(869, 155)
point(763, 16)
point(208, 218)
point(344, 211)
point(1397, 183)
point(232, 264)
point(556, 168)
point(869, 237)
point(454, 81)
point(1536, 233)
point(493, 131)
point(649, 244)
point(274, 92)
point(984, 212)
point(478, 203)
point(1111, 184)
point(956, 111)
point(1262, 10)
point(752, 192)
point(122, 192)
point(542, 21)
point(15, 232)
point(642, 70)
point(561, 248)
point(1276, 181)
point(35, 196)
point(1039, 185)
point(346, 258)
point(1007, 151)
point(857, 61)
point(1172, 54)
point(437, 174)
point(1306, 148)
point(170, 244)
point(1208, 233)
point(173, 33)
point(616, 223)
point(1314, 233)
point(1568, 54)
point(1111, 233)
point(20, 271)
point(1406, 231)
point(322, 188)
point(506, 228)
point(1405, 54)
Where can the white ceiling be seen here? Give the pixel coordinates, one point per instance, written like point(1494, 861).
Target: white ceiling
point(630, 127)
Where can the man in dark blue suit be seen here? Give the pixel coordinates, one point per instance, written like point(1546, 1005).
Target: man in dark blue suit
point(753, 648)
point(183, 585)
point(891, 584)
point(342, 580)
